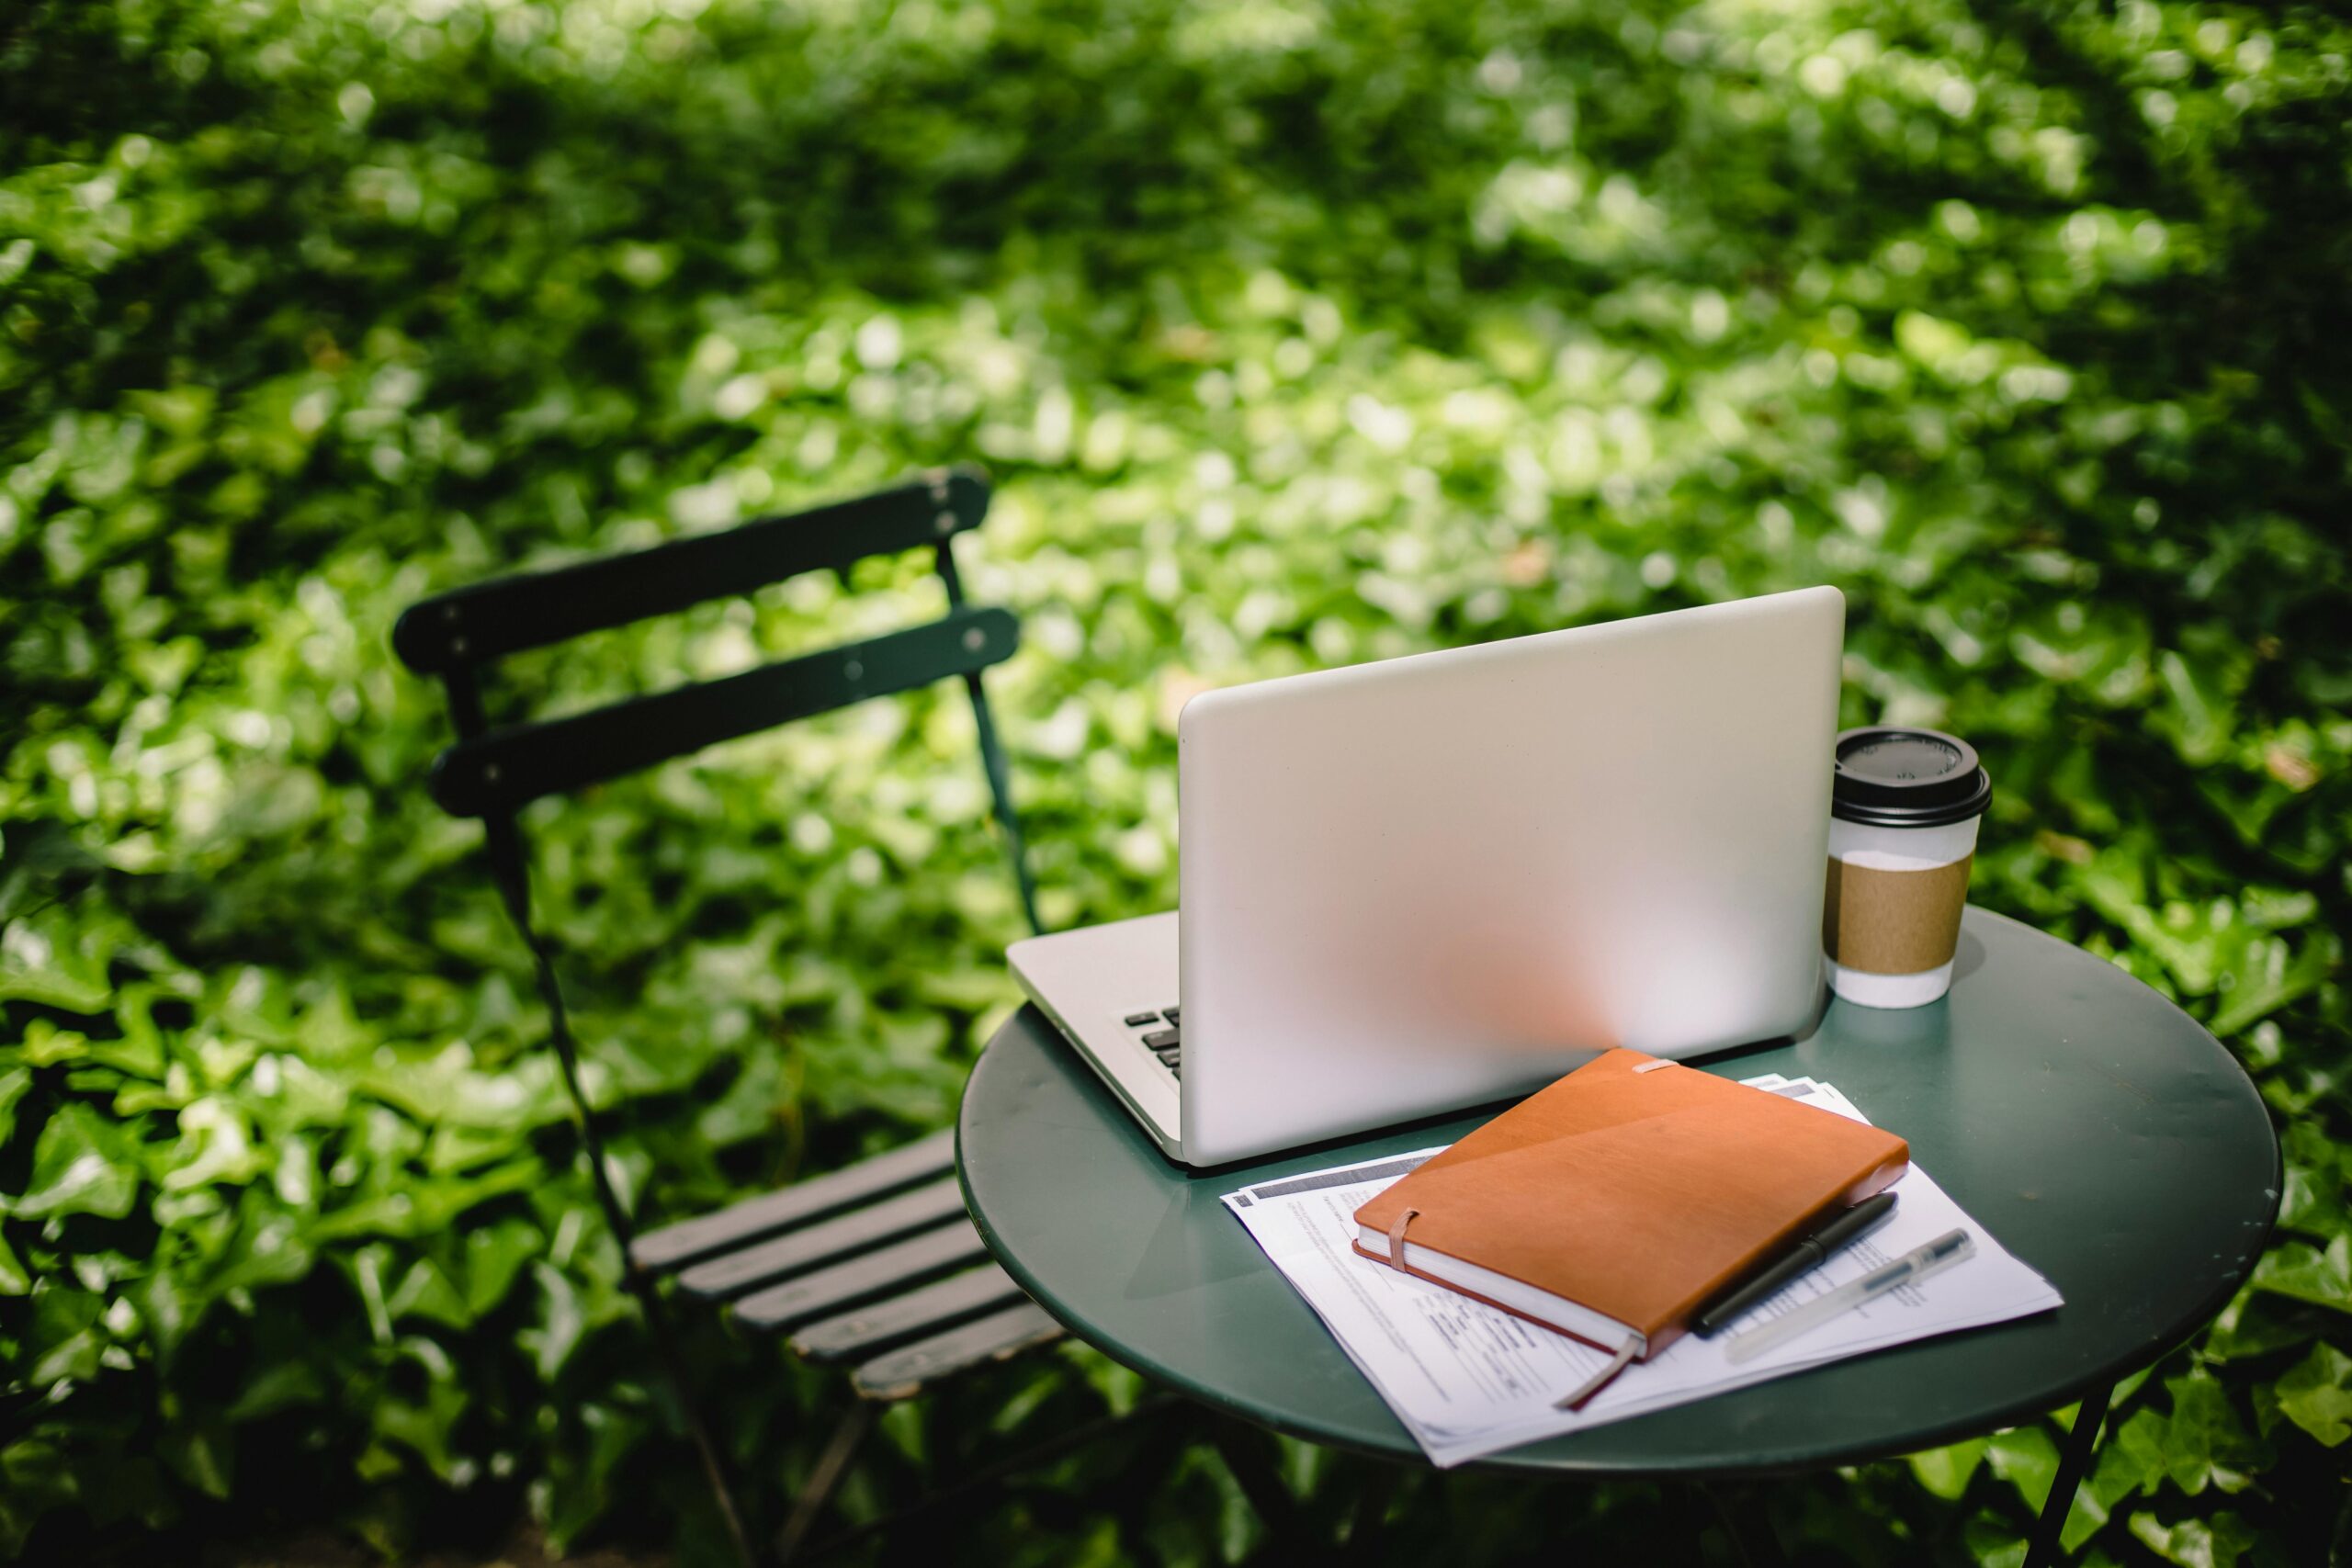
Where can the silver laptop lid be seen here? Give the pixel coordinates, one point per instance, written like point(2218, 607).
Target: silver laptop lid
point(1422, 884)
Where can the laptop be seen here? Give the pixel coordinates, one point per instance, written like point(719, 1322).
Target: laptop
point(1433, 882)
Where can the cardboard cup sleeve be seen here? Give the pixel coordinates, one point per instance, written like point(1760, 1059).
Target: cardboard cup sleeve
point(1890, 918)
point(1893, 922)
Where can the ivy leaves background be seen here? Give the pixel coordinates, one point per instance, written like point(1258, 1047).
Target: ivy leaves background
point(1294, 335)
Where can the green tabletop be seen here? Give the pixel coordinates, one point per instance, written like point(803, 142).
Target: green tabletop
point(2093, 1127)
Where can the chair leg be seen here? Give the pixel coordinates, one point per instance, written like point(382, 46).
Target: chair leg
point(512, 872)
point(2073, 1462)
point(847, 1439)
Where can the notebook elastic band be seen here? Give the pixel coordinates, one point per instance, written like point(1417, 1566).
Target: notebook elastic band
point(1652, 1066)
point(1397, 1238)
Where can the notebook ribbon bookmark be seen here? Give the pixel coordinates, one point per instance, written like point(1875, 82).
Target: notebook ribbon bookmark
point(1574, 1399)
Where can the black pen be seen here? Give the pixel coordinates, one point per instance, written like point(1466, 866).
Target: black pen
point(1806, 1254)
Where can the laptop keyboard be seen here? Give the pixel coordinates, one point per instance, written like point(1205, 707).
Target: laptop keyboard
point(1159, 1034)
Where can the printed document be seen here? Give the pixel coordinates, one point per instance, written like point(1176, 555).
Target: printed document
point(1468, 1380)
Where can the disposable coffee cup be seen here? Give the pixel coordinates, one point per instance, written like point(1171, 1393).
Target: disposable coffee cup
point(1903, 817)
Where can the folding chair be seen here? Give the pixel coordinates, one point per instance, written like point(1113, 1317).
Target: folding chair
point(875, 1266)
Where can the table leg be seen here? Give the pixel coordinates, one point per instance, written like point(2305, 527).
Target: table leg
point(2074, 1462)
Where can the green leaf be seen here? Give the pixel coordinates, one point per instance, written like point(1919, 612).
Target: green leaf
point(2301, 1270)
point(203, 1454)
point(2253, 1323)
point(425, 1293)
point(2114, 1476)
point(330, 1031)
point(751, 1106)
point(494, 1256)
point(1119, 1387)
point(561, 1323)
point(2204, 1442)
point(14, 1082)
point(2133, 1458)
point(36, 1476)
point(1238, 1526)
point(2200, 717)
point(2316, 1394)
point(14, 1280)
point(1994, 1543)
point(971, 989)
point(83, 1164)
point(2102, 647)
point(365, 1266)
point(165, 1313)
point(423, 1207)
point(585, 1466)
point(266, 1247)
point(2319, 1176)
point(66, 1340)
point(44, 959)
point(2027, 1458)
point(426, 1426)
point(1934, 343)
point(2268, 974)
point(215, 1148)
point(2196, 1543)
point(280, 1386)
point(447, 1088)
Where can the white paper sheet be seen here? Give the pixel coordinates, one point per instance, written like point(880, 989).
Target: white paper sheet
point(1468, 1380)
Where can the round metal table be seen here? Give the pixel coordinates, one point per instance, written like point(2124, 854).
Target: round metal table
point(2097, 1131)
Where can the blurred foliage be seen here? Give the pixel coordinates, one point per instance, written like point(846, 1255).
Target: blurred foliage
point(1296, 334)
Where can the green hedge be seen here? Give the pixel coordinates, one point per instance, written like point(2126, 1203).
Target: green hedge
point(1295, 335)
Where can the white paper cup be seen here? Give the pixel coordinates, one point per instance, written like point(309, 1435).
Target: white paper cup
point(1910, 910)
point(1902, 838)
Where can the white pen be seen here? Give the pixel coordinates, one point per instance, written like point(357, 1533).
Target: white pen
point(1940, 1254)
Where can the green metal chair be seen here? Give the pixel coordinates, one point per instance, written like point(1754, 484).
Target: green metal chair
point(875, 1266)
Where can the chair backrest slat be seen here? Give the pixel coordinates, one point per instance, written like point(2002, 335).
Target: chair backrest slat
point(490, 773)
point(469, 626)
point(495, 774)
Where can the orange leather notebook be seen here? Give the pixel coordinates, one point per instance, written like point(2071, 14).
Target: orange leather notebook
point(1619, 1201)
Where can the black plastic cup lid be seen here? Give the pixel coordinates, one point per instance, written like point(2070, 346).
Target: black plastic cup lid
point(1891, 777)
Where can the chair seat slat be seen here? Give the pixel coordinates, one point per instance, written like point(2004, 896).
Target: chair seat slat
point(901, 1373)
point(845, 1285)
point(732, 1273)
point(867, 1329)
point(820, 1197)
